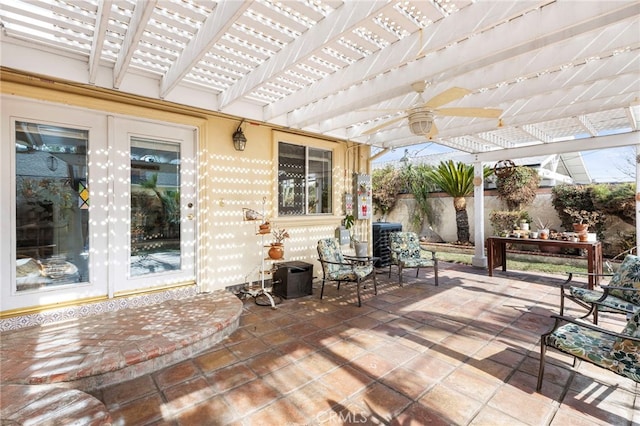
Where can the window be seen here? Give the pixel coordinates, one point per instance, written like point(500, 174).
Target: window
point(304, 180)
point(52, 206)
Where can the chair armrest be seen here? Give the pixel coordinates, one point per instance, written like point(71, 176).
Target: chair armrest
point(586, 274)
point(358, 259)
point(560, 319)
point(336, 263)
point(433, 253)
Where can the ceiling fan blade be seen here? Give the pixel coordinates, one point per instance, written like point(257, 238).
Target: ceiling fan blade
point(470, 112)
point(447, 96)
point(383, 125)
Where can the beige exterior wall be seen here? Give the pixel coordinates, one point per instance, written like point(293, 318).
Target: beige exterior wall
point(230, 252)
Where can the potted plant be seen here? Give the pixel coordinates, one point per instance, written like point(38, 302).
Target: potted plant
point(583, 219)
point(276, 251)
point(361, 247)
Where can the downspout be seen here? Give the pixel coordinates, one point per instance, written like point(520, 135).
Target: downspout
point(479, 259)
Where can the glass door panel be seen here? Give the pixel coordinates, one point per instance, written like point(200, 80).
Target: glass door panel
point(52, 206)
point(155, 207)
point(153, 210)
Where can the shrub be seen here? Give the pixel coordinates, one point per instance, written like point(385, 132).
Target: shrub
point(518, 189)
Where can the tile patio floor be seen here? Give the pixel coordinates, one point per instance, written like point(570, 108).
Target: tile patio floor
point(463, 353)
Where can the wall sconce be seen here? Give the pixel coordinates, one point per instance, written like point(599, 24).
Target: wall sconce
point(239, 139)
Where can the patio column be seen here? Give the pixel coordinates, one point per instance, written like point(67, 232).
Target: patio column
point(637, 198)
point(479, 259)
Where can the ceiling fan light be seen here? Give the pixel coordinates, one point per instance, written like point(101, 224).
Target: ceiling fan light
point(420, 122)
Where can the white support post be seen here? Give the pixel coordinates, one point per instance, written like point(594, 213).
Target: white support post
point(637, 197)
point(479, 259)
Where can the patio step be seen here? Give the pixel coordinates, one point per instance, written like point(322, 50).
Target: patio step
point(111, 347)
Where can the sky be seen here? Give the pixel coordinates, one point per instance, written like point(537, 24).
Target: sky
point(604, 165)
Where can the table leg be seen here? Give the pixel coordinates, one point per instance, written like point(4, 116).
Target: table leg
point(503, 255)
point(590, 266)
point(490, 259)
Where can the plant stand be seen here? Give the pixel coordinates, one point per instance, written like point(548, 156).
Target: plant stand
point(263, 295)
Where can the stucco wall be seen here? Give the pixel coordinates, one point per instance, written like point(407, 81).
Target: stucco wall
point(444, 224)
point(230, 252)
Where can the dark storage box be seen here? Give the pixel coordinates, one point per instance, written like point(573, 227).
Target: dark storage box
point(293, 279)
point(381, 232)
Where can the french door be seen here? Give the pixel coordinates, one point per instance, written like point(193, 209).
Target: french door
point(98, 205)
point(153, 210)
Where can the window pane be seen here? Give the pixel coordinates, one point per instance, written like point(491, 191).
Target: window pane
point(52, 201)
point(291, 179)
point(304, 180)
point(319, 181)
point(155, 207)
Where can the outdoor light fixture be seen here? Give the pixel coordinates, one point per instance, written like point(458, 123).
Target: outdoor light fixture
point(239, 139)
point(420, 121)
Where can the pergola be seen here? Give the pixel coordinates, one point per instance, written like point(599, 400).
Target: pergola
point(566, 74)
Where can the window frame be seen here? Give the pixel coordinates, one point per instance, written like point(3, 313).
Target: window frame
point(291, 210)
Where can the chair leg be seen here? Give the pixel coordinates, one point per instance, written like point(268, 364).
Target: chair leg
point(400, 274)
point(543, 349)
point(322, 289)
point(390, 270)
point(435, 270)
point(375, 286)
point(358, 291)
point(417, 272)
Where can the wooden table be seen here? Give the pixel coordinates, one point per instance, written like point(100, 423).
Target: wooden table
point(497, 253)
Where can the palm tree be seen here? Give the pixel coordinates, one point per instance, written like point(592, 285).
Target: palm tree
point(457, 181)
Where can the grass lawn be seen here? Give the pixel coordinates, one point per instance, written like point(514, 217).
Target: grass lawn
point(533, 265)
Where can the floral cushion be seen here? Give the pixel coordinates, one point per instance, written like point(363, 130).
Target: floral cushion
point(339, 269)
point(406, 250)
point(329, 251)
point(611, 303)
point(627, 276)
point(625, 352)
point(598, 348)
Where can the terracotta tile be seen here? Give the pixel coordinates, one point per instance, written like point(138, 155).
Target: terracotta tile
point(288, 378)
point(418, 415)
point(251, 396)
point(489, 416)
point(187, 394)
point(317, 364)
point(450, 405)
point(372, 364)
point(523, 404)
point(175, 374)
point(280, 412)
point(213, 411)
point(267, 362)
point(215, 359)
point(140, 412)
point(314, 399)
point(248, 348)
point(467, 382)
point(383, 401)
point(229, 377)
point(131, 390)
point(346, 381)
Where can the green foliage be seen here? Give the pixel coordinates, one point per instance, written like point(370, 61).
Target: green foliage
point(456, 179)
point(386, 184)
point(518, 190)
point(504, 221)
point(420, 185)
point(568, 198)
point(616, 200)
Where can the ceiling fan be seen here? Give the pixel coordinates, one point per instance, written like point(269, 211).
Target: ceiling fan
point(421, 115)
